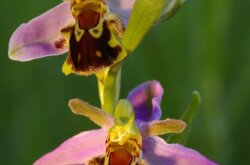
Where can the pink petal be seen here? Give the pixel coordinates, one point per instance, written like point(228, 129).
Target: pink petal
point(157, 151)
point(41, 36)
point(122, 8)
point(146, 99)
point(78, 149)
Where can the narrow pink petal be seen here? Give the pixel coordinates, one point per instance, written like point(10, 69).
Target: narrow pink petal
point(41, 36)
point(157, 151)
point(122, 8)
point(77, 150)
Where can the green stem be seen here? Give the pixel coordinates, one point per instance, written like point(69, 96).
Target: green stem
point(109, 89)
point(100, 90)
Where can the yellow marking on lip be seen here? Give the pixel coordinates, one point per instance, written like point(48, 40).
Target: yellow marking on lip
point(78, 32)
point(98, 53)
point(67, 68)
point(78, 57)
point(96, 32)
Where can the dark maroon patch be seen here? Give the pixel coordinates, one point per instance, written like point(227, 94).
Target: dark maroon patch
point(120, 157)
point(90, 53)
point(96, 161)
point(60, 44)
point(88, 19)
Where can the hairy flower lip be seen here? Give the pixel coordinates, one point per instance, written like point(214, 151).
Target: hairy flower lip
point(45, 36)
point(34, 40)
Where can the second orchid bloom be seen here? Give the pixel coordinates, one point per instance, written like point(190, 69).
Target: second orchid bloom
point(129, 137)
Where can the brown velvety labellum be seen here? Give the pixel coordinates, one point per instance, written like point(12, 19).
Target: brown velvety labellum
point(88, 19)
point(92, 53)
point(120, 157)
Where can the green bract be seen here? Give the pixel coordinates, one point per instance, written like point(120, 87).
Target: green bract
point(187, 117)
point(144, 14)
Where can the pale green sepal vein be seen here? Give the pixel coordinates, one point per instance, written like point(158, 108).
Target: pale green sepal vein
point(187, 117)
point(143, 16)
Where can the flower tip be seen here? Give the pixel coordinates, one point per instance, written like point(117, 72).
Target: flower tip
point(156, 87)
point(11, 55)
point(183, 125)
point(72, 102)
point(17, 55)
point(66, 69)
point(14, 52)
point(196, 95)
point(74, 105)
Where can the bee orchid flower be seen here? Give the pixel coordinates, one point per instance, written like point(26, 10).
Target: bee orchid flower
point(89, 30)
point(130, 136)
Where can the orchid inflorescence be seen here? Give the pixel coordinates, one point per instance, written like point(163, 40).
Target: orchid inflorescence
point(98, 36)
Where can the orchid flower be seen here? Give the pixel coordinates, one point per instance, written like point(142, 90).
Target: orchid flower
point(92, 31)
point(128, 137)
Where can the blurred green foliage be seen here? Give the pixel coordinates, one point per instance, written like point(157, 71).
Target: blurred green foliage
point(205, 47)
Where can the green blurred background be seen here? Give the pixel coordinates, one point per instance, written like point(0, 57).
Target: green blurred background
point(205, 47)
